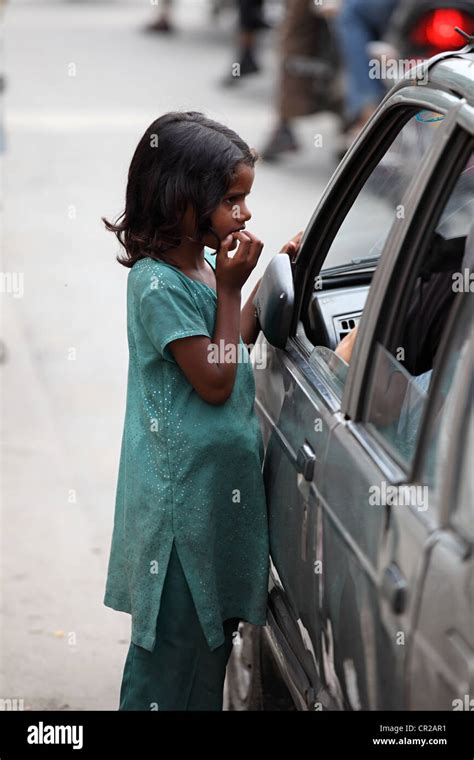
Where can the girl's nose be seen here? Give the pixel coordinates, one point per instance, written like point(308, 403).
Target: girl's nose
point(245, 214)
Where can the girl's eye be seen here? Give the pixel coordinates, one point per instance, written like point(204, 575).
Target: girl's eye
point(234, 198)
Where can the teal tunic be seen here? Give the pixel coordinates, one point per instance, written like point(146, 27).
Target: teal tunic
point(189, 472)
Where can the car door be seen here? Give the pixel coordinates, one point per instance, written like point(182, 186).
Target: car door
point(299, 405)
point(440, 673)
point(384, 519)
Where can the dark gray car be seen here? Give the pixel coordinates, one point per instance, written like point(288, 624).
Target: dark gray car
point(368, 460)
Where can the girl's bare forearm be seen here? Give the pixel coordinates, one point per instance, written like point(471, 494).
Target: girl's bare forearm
point(227, 333)
point(249, 325)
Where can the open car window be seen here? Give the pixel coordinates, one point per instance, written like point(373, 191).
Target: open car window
point(340, 292)
point(365, 228)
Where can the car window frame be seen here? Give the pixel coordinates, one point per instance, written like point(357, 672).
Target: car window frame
point(351, 176)
point(343, 194)
point(394, 294)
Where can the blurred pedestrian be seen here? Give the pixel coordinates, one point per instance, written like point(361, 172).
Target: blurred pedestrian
point(163, 22)
point(359, 23)
point(309, 73)
point(251, 21)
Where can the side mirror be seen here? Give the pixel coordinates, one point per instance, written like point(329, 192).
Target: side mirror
point(274, 300)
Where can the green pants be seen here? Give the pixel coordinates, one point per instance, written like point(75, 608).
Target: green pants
point(181, 673)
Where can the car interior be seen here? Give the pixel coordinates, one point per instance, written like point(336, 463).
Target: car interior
point(340, 292)
point(394, 412)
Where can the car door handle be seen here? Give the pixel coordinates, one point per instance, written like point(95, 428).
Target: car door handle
point(305, 459)
point(394, 588)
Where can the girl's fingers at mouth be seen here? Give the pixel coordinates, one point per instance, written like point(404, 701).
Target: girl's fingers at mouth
point(255, 247)
point(226, 243)
point(254, 239)
point(243, 235)
point(244, 241)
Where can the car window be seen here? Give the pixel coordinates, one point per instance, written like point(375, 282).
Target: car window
point(335, 311)
point(331, 367)
point(450, 430)
point(397, 402)
point(366, 226)
point(401, 375)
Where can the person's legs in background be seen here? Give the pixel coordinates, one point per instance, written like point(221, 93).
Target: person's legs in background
point(361, 22)
point(299, 38)
point(251, 21)
point(163, 22)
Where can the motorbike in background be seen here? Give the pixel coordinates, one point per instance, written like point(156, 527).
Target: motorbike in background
point(420, 29)
point(423, 28)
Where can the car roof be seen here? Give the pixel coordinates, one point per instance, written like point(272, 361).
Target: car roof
point(452, 72)
point(456, 74)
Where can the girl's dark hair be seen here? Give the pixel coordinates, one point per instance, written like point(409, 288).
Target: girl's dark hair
point(182, 158)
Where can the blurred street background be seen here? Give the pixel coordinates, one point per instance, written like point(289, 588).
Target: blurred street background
point(82, 82)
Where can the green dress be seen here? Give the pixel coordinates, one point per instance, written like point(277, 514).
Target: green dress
point(189, 471)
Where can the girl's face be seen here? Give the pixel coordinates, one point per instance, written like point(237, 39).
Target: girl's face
point(232, 213)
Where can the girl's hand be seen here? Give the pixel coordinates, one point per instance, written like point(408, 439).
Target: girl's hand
point(232, 273)
point(293, 246)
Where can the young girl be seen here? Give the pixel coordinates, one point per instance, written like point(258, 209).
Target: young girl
point(189, 555)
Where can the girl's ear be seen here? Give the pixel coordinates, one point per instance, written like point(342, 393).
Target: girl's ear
point(187, 217)
point(188, 221)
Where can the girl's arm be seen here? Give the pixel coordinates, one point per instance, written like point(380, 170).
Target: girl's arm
point(249, 324)
point(212, 380)
point(213, 376)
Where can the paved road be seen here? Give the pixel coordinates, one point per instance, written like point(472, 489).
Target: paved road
point(69, 140)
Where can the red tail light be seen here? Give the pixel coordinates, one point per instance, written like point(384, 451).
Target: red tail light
point(435, 30)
